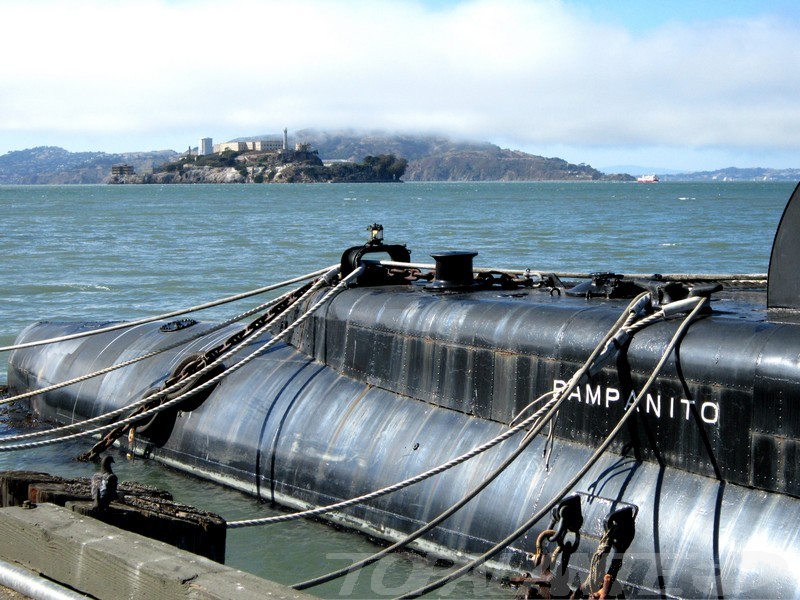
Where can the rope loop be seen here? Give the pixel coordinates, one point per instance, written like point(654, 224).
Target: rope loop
point(620, 528)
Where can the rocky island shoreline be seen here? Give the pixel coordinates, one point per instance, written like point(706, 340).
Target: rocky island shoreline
point(301, 165)
point(320, 156)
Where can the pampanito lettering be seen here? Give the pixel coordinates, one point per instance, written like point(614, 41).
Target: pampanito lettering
point(660, 407)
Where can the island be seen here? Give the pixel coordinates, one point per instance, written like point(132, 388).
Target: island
point(301, 165)
point(339, 155)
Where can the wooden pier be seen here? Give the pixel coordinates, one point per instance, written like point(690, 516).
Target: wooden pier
point(142, 509)
point(100, 558)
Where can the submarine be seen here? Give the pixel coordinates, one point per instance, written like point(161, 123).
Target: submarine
point(601, 436)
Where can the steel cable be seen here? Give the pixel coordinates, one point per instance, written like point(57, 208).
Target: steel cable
point(449, 464)
point(138, 403)
point(142, 357)
point(629, 410)
point(204, 370)
point(169, 315)
point(561, 395)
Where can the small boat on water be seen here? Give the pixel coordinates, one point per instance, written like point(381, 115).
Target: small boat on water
point(611, 434)
point(648, 178)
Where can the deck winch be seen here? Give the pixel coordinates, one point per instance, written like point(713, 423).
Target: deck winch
point(453, 271)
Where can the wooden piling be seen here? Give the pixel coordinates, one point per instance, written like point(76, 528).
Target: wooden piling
point(141, 509)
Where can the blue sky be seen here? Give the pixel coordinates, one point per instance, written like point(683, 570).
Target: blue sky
point(662, 84)
point(640, 16)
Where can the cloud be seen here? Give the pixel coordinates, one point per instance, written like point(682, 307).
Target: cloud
point(530, 72)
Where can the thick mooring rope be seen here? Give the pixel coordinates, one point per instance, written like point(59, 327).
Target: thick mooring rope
point(551, 407)
point(169, 315)
point(138, 403)
point(142, 357)
point(314, 512)
point(211, 382)
point(549, 410)
point(629, 410)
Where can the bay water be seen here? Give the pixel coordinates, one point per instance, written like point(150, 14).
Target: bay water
point(127, 252)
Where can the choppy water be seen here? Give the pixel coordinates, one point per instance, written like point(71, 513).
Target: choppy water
point(126, 252)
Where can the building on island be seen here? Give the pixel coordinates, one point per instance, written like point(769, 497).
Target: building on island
point(270, 145)
point(121, 170)
point(206, 147)
point(255, 146)
point(120, 173)
point(234, 146)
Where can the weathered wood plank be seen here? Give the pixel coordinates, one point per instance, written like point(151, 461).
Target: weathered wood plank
point(182, 526)
point(98, 559)
point(14, 485)
point(142, 509)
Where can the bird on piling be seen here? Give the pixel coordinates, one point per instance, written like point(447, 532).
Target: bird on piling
point(104, 485)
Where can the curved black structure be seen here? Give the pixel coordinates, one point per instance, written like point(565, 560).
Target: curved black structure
point(387, 381)
point(784, 284)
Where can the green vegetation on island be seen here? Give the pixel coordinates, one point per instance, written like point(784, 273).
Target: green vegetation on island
point(337, 156)
point(343, 155)
point(285, 166)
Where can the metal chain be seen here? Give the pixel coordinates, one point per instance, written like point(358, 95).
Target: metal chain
point(182, 342)
point(188, 373)
point(79, 424)
point(213, 381)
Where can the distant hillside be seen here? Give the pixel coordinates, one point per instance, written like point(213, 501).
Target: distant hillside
point(53, 165)
point(430, 158)
point(436, 158)
point(736, 174)
point(348, 144)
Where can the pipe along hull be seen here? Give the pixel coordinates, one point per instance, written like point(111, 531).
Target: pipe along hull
point(386, 382)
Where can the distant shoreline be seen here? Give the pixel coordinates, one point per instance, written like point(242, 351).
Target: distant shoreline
point(429, 158)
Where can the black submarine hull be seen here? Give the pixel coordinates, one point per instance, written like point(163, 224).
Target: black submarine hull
point(391, 378)
point(384, 383)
